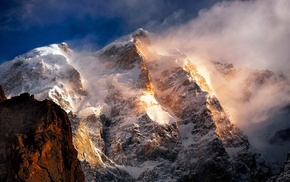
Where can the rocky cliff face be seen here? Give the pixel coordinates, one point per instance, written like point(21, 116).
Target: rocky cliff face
point(2, 94)
point(164, 123)
point(36, 142)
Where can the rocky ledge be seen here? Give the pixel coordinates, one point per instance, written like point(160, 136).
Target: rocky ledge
point(36, 141)
point(2, 94)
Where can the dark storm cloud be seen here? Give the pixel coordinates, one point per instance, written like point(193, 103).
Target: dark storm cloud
point(27, 24)
point(29, 13)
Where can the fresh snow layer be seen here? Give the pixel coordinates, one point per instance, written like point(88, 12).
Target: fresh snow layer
point(155, 110)
point(135, 172)
point(44, 72)
point(185, 133)
point(90, 111)
point(52, 49)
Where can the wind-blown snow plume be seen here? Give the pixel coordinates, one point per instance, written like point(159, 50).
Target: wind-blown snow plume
point(253, 35)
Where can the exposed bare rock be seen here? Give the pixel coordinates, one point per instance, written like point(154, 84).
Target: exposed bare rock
point(64, 47)
point(280, 136)
point(2, 94)
point(36, 142)
point(121, 57)
point(142, 36)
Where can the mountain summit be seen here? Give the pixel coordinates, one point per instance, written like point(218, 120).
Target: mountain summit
point(138, 113)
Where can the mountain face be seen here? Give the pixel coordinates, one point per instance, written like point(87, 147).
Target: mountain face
point(262, 97)
point(36, 142)
point(137, 113)
point(46, 73)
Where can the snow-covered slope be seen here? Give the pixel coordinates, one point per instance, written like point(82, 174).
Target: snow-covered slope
point(138, 113)
point(47, 73)
point(164, 123)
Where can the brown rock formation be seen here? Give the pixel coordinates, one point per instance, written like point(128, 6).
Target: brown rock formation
point(2, 94)
point(36, 142)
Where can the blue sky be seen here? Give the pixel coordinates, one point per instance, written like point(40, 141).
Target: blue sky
point(27, 24)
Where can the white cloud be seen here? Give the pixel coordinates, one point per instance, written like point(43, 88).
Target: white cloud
point(253, 34)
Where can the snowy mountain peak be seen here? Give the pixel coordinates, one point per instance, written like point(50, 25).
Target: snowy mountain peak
point(129, 40)
point(46, 73)
point(141, 35)
point(52, 49)
point(142, 113)
point(64, 47)
point(160, 111)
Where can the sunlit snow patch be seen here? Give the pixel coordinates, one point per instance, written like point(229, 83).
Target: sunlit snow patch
point(155, 111)
point(90, 111)
point(135, 172)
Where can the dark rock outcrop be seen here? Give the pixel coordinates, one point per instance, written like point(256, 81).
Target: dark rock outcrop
point(2, 94)
point(36, 142)
point(280, 136)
